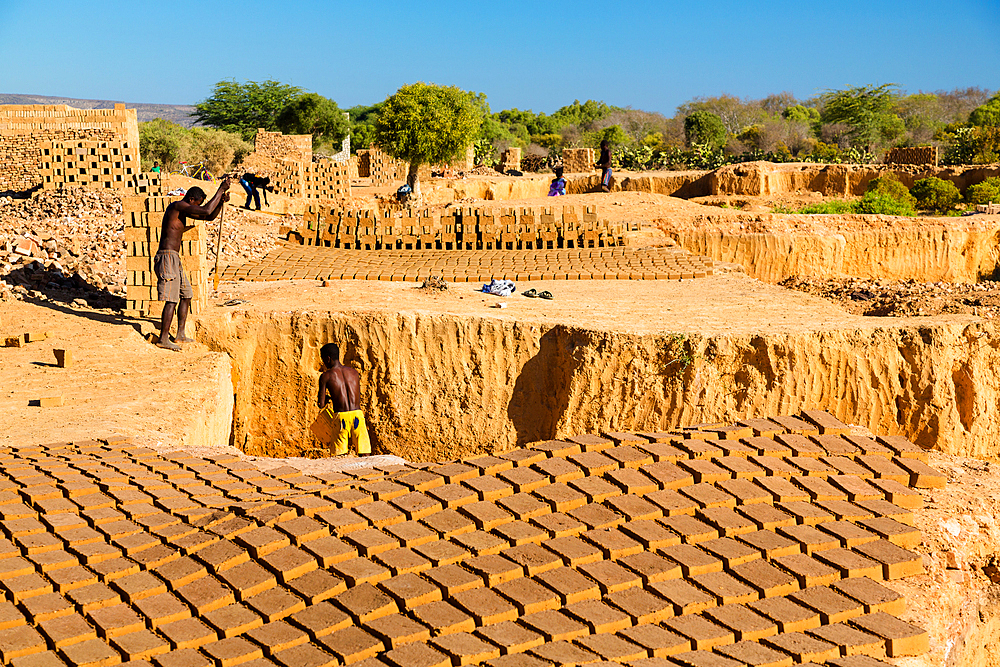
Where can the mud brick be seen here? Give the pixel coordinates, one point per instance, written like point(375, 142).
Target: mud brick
point(671, 502)
point(278, 636)
point(188, 633)
point(902, 447)
point(451, 496)
point(848, 534)
point(661, 451)
point(612, 542)
point(898, 533)
point(788, 616)
point(725, 588)
point(132, 544)
point(185, 657)
point(262, 541)
point(380, 514)
point(699, 448)
point(855, 487)
point(798, 445)
point(444, 618)
point(690, 529)
point(420, 480)
point(555, 625)
point(384, 489)
point(611, 577)
point(248, 579)
point(819, 489)
point(416, 655)
point(99, 551)
point(466, 649)
point(91, 653)
point(222, 555)
point(739, 467)
point(702, 633)
point(874, 596)
point(46, 606)
point(140, 585)
point(599, 616)
point(851, 640)
point(488, 465)
point(882, 508)
point(868, 446)
point(41, 543)
point(805, 513)
point(140, 645)
point(108, 571)
point(730, 551)
point(746, 624)
point(18, 641)
point(781, 489)
point(704, 471)
point(596, 489)
point(632, 481)
point(727, 521)
point(884, 468)
point(692, 560)
point(829, 604)
point(835, 445)
point(850, 563)
point(417, 505)
point(161, 609)
point(322, 619)
point(486, 515)
point(233, 651)
point(827, 423)
point(765, 578)
point(411, 533)
point(360, 570)
point(485, 605)
point(810, 467)
point(441, 552)
point(652, 567)
point(810, 539)
point(480, 542)
point(233, 620)
point(522, 505)
point(529, 596)
point(344, 498)
point(67, 630)
point(556, 448)
point(613, 648)
point(631, 455)
point(492, 569)
point(147, 558)
point(317, 585)
point(50, 561)
point(206, 594)
point(561, 497)
point(766, 517)
point(277, 603)
point(94, 596)
point(452, 579)
point(896, 561)
point(329, 551)
point(901, 638)
point(533, 558)
point(922, 476)
point(523, 457)
point(403, 560)
point(510, 637)
point(300, 529)
point(490, 489)
point(520, 532)
point(558, 470)
point(569, 584)
point(658, 642)
point(807, 570)
point(370, 541)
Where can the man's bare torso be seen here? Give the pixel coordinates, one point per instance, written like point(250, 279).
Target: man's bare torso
point(172, 232)
point(341, 385)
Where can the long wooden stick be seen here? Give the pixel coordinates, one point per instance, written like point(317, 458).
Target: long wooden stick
point(218, 246)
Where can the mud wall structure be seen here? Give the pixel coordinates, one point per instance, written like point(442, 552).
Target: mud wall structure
point(913, 155)
point(467, 228)
point(435, 387)
point(294, 171)
point(31, 136)
point(876, 247)
point(385, 170)
point(143, 218)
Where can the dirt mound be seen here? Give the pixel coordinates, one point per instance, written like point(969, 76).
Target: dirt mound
point(902, 298)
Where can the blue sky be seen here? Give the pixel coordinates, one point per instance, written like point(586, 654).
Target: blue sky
point(644, 54)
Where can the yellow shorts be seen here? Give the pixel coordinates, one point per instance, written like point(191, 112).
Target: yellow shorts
point(349, 428)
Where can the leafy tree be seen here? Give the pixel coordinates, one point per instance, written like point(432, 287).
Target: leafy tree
point(363, 125)
point(582, 114)
point(987, 114)
point(705, 128)
point(160, 141)
point(316, 115)
point(801, 114)
point(427, 124)
point(867, 110)
point(244, 107)
point(985, 192)
point(935, 194)
point(735, 114)
point(169, 143)
point(881, 203)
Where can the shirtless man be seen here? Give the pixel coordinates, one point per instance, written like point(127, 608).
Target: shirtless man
point(172, 285)
point(340, 385)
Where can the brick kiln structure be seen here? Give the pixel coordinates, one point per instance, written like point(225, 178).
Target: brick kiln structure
point(53, 145)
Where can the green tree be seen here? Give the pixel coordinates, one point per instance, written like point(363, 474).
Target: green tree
point(801, 114)
point(867, 110)
point(427, 124)
point(705, 128)
point(984, 193)
point(935, 194)
point(316, 115)
point(987, 114)
point(160, 141)
point(244, 107)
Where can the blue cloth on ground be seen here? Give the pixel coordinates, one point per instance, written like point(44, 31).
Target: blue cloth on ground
point(499, 287)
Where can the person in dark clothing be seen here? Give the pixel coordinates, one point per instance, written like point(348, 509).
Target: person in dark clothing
point(604, 163)
point(251, 183)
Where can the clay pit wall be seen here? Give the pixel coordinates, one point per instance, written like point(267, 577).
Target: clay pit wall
point(877, 247)
point(442, 386)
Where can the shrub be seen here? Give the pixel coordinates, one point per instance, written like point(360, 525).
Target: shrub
point(935, 194)
point(704, 127)
point(985, 192)
point(882, 203)
point(890, 186)
point(838, 206)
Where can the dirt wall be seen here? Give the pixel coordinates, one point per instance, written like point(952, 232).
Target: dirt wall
point(437, 387)
point(873, 247)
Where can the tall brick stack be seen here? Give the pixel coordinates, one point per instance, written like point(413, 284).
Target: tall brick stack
point(578, 160)
point(467, 228)
point(88, 163)
point(26, 131)
point(385, 169)
point(510, 159)
point(913, 155)
point(143, 217)
point(295, 171)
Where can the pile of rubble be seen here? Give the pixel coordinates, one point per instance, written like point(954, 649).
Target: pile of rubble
point(903, 298)
point(246, 236)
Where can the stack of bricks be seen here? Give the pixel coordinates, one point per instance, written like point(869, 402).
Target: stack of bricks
point(384, 169)
point(88, 163)
point(283, 146)
point(913, 155)
point(327, 179)
point(466, 228)
point(143, 220)
point(27, 130)
point(770, 542)
point(363, 159)
point(988, 209)
point(510, 160)
point(578, 160)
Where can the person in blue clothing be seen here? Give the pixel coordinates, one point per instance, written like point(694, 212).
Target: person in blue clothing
point(251, 183)
point(604, 163)
point(558, 186)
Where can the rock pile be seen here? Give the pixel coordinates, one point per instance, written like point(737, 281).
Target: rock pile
point(246, 236)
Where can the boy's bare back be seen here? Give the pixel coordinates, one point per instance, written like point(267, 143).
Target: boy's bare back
point(341, 386)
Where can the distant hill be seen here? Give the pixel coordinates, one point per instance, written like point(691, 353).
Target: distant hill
point(177, 113)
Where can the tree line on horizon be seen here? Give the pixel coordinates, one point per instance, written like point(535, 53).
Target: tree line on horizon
point(855, 124)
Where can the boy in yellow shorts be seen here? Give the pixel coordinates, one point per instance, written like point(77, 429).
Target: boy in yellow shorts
point(339, 392)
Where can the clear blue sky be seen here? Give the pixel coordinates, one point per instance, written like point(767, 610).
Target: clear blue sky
point(650, 55)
